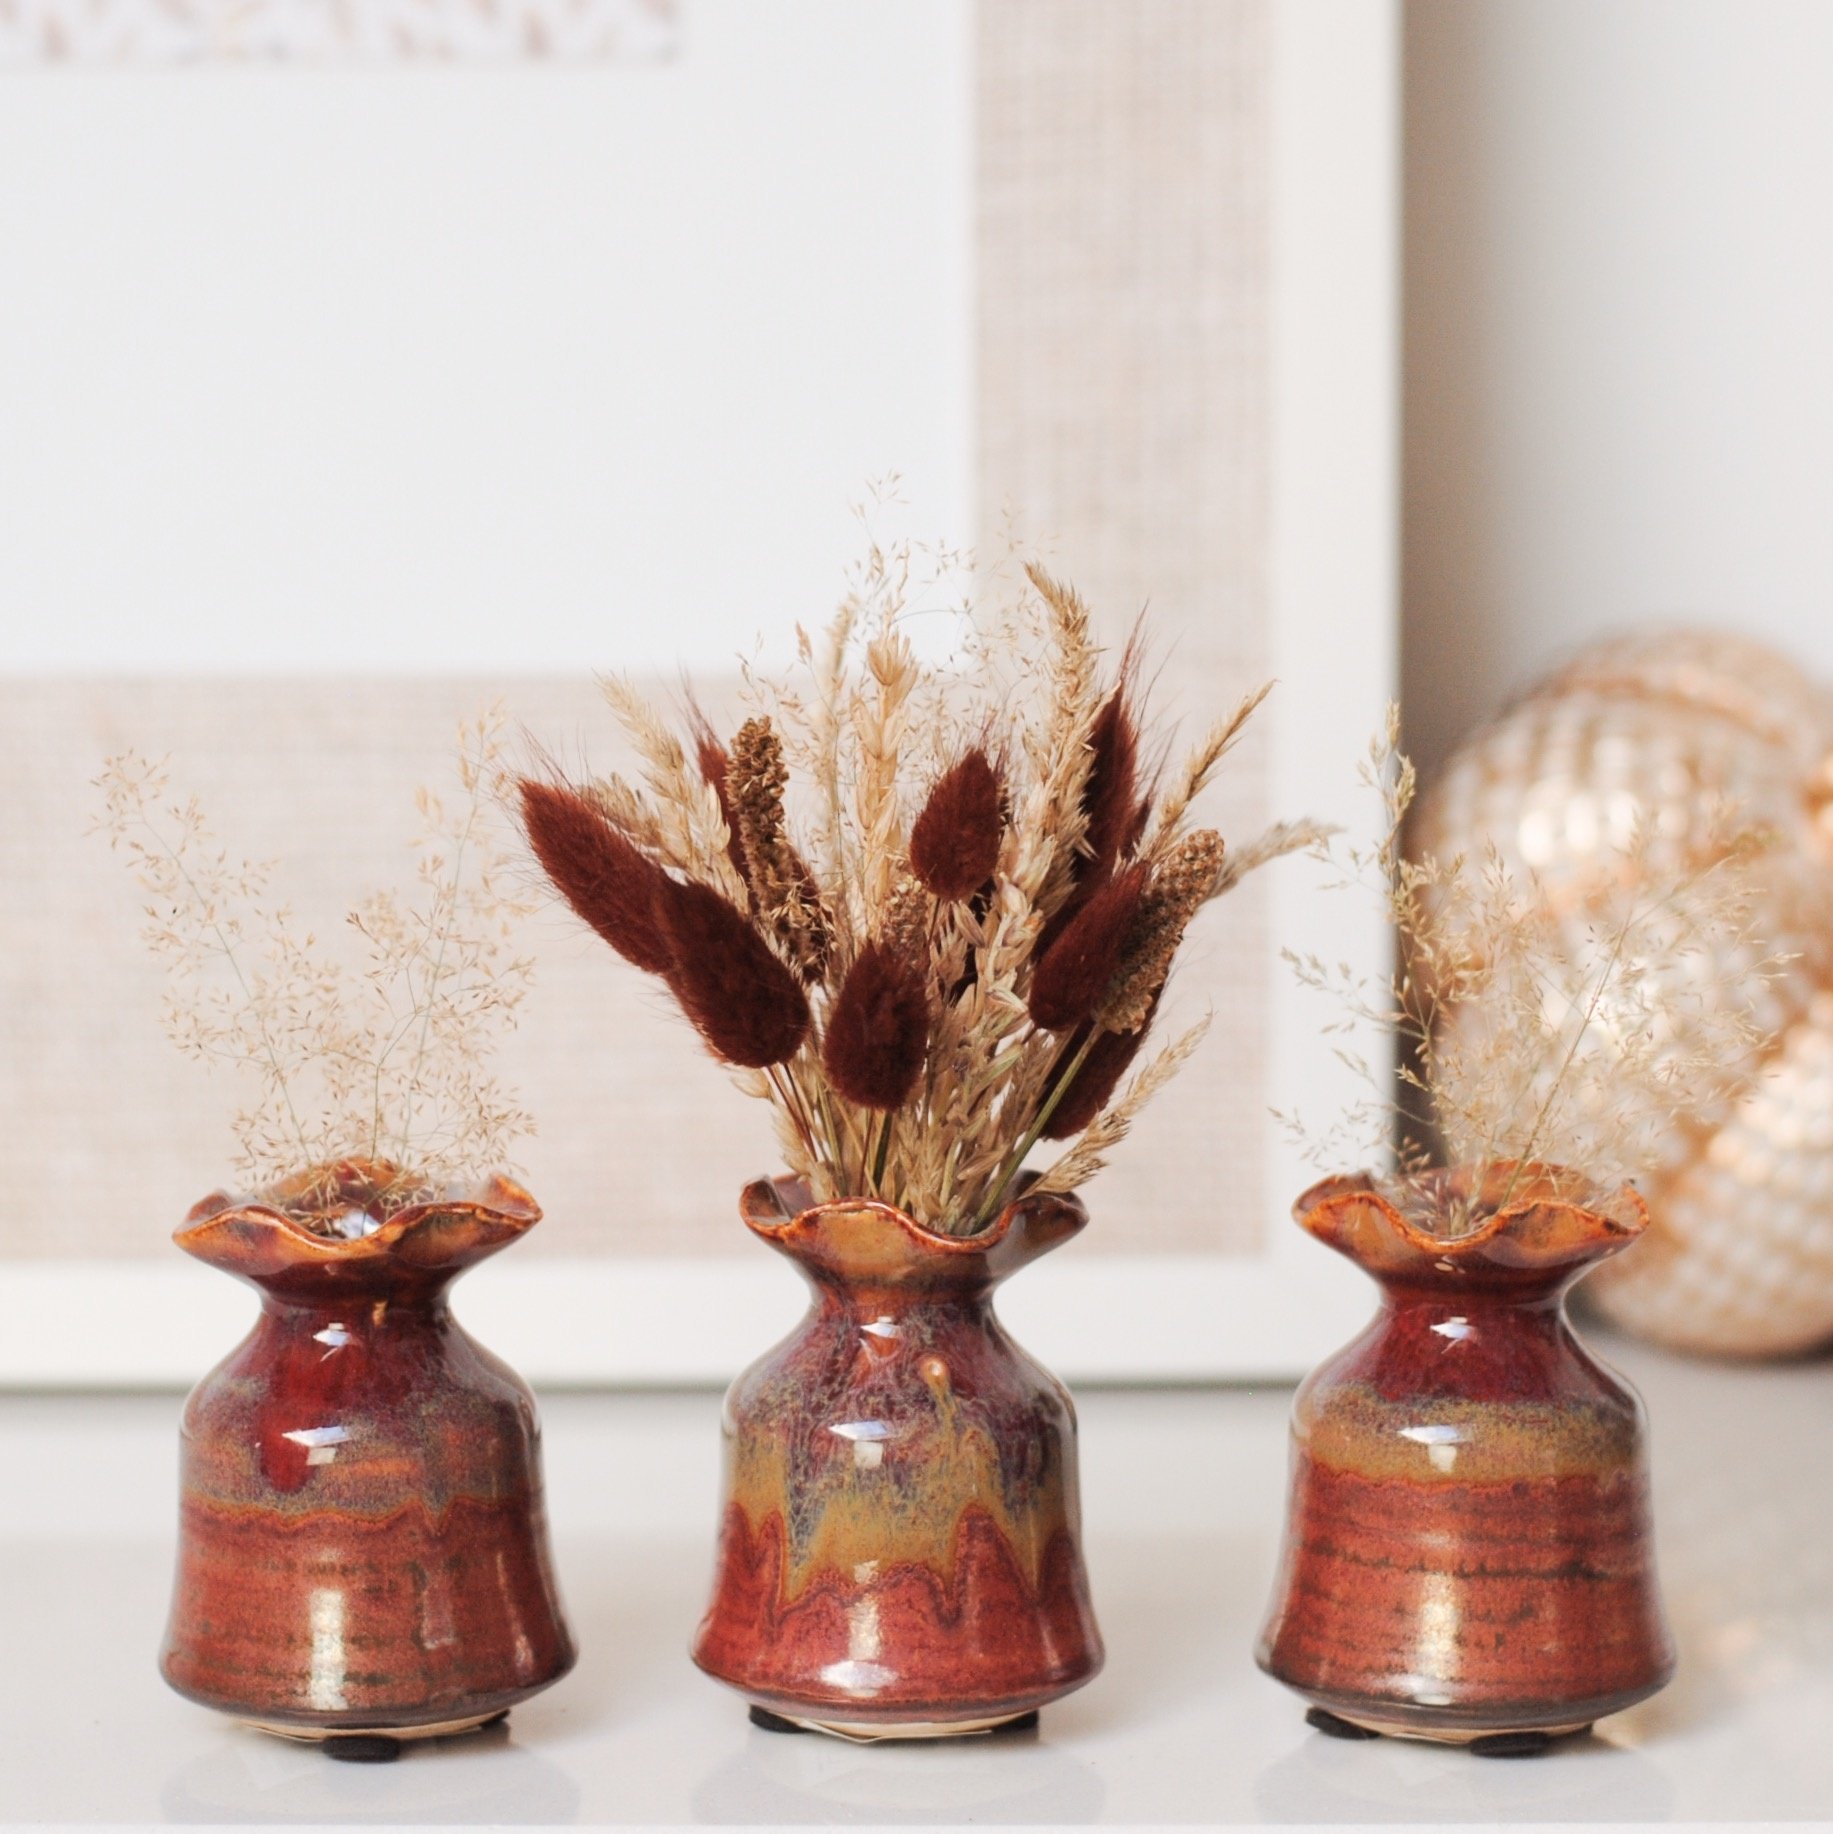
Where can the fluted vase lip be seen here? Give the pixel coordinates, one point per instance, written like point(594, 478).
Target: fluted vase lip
point(866, 1240)
point(1525, 1219)
point(354, 1221)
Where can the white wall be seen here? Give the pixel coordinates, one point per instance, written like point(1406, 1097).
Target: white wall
point(1619, 332)
point(480, 368)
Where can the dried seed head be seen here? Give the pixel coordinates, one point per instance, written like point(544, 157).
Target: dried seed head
point(1072, 976)
point(1096, 1081)
point(608, 881)
point(738, 996)
point(783, 890)
point(954, 844)
point(878, 1029)
point(1177, 891)
point(906, 925)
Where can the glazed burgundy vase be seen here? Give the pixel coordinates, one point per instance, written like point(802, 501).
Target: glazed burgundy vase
point(900, 1553)
point(362, 1534)
point(1469, 1550)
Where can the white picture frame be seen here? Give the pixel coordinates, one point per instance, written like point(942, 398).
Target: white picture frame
point(1109, 1318)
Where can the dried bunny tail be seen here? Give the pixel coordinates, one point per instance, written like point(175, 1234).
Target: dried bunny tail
point(1112, 807)
point(1089, 1154)
point(1096, 1080)
point(738, 996)
point(609, 882)
point(954, 843)
point(782, 887)
point(878, 1029)
point(1074, 972)
point(1178, 890)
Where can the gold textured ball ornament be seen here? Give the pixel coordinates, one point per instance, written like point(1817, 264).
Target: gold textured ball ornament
point(1660, 734)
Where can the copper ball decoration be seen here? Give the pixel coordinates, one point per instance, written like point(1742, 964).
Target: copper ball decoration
point(1657, 730)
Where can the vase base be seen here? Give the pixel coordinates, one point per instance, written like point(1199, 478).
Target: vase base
point(1483, 1742)
point(374, 1744)
point(864, 1732)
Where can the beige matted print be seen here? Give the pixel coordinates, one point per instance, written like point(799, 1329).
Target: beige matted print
point(1181, 340)
point(1122, 418)
point(130, 34)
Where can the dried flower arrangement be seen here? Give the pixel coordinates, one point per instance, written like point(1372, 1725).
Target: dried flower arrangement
point(965, 950)
point(378, 1067)
point(1522, 1032)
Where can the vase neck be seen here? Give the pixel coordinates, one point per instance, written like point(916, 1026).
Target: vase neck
point(1429, 1292)
point(868, 1299)
point(357, 1307)
point(1430, 1306)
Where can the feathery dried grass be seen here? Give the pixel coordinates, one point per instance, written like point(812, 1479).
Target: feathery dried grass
point(1524, 1033)
point(380, 1055)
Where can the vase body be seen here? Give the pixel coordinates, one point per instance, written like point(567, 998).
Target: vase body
point(900, 1550)
point(363, 1535)
point(1469, 1546)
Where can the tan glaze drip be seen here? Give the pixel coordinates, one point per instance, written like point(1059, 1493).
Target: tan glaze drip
point(901, 1534)
point(846, 1520)
point(1468, 1544)
point(363, 1535)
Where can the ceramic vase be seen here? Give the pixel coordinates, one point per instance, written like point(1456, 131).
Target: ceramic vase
point(1469, 1552)
point(362, 1535)
point(900, 1553)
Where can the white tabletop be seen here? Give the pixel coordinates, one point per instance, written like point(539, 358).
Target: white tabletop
point(1183, 1493)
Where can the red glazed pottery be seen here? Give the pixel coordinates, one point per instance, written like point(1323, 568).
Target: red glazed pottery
point(362, 1533)
point(900, 1554)
point(1469, 1553)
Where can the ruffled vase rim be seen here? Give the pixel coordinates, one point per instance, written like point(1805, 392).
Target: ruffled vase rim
point(784, 1213)
point(257, 1235)
point(1554, 1216)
